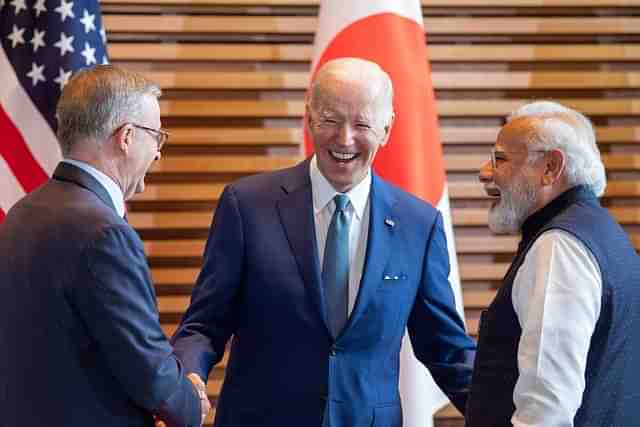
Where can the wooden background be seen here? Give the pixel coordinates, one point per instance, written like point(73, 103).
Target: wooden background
point(234, 74)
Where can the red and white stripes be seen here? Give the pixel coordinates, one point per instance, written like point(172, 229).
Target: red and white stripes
point(29, 150)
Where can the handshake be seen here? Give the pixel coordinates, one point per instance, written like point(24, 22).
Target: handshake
point(205, 405)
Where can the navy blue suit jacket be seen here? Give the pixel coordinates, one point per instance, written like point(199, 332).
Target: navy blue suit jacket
point(81, 341)
point(261, 283)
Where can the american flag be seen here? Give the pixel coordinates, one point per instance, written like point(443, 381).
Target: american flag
point(42, 43)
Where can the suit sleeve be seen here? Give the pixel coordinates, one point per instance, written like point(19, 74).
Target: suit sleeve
point(436, 330)
point(116, 300)
point(210, 319)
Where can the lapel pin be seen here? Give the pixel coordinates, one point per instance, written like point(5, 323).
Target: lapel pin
point(389, 222)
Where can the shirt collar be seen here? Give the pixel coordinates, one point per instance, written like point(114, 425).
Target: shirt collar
point(323, 191)
point(109, 184)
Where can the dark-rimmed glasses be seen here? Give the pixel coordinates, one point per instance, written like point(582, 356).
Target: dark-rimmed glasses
point(161, 135)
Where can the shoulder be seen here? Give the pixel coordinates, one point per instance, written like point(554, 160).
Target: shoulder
point(404, 203)
point(585, 215)
point(66, 212)
point(270, 185)
point(264, 180)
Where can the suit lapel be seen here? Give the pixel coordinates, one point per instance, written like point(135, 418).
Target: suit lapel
point(296, 213)
point(380, 240)
point(73, 174)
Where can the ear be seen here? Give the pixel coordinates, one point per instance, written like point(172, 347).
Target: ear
point(123, 137)
point(554, 167)
point(387, 128)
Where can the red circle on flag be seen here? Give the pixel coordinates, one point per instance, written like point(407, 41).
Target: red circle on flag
point(412, 159)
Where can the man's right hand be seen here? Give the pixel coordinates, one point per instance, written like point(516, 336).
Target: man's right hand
point(201, 388)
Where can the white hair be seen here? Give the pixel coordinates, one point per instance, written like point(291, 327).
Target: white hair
point(559, 127)
point(358, 71)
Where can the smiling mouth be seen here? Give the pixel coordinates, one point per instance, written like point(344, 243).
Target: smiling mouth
point(343, 157)
point(492, 192)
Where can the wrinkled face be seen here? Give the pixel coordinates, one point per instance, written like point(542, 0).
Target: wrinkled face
point(513, 183)
point(144, 149)
point(348, 122)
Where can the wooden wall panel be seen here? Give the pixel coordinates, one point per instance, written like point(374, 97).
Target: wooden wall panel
point(234, 74)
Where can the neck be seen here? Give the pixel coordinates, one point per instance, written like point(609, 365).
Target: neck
point(101, 162)
point(549, 193)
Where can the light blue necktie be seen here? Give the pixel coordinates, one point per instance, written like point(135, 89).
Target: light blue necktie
point(335, 266)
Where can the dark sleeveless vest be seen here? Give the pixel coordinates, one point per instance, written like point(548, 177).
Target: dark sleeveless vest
point(612, 393)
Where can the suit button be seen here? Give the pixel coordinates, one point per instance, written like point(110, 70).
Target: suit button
point(332, 350)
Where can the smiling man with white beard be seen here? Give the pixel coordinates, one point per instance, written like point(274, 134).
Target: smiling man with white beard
point(513, 203)
point(555, 344)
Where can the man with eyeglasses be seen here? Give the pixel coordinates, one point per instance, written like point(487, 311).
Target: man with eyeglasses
point(557, 344)
point(82, 342)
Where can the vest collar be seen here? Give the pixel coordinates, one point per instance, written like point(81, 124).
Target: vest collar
point(541, 217)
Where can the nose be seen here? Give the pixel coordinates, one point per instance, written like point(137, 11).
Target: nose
point(158, 155)
point(486, 173)
point(346, 135)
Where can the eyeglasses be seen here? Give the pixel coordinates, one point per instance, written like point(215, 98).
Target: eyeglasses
point(501, 155)
point(161, 135)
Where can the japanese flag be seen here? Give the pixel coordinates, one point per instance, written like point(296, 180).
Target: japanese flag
point(391, 33)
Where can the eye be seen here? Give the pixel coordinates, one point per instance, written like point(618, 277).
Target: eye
point(363, 126)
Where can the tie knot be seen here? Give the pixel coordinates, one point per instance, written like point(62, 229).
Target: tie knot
point(341, 202)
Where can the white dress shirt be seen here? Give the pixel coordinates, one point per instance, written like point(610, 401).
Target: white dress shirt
point(358, 212)
point(109, 184)
point(557, 296)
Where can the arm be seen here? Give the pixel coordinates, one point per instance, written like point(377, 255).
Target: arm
point(437, 332)
point(116, 300)
point(210, 319)
point(556, 296)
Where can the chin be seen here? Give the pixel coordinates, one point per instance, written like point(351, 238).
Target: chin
point(502, 221)
point(346, 183)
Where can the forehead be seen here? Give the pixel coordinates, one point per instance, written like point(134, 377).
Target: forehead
point(348, 96)
point(514, 135)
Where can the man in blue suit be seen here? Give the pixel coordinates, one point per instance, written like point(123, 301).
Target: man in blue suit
point(316, 271)
point(82, 344)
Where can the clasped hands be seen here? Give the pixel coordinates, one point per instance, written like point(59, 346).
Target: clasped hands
point(205, 405)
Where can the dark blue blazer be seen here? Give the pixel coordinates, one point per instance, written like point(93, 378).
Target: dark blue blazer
point(81, 341)
point(261, 283)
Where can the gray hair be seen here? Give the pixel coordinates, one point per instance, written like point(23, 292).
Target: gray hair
point(559, 127)
point(96, 101)
point(356, 70)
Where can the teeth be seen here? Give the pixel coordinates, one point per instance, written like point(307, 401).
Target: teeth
point(492, 192)
point(343, 156)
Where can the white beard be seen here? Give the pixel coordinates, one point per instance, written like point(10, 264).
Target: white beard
point(515, 205)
